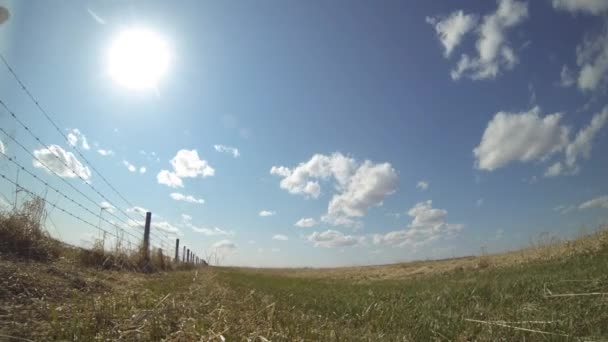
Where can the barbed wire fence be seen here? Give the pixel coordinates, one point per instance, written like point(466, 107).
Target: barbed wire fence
point(131, 226)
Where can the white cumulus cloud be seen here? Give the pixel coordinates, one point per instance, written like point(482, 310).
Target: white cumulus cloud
point(428, 224)
point(105, 153)
point(306, 222)
point(280, 237)
point(452, 29)
point(266, 213)
point(186, 198)
point(129, 166)
point(493, 48)
point(56, 160)
point(227, 149)
point(585, 6)
point(74, 136)
point(358, 185)
point(598, 202)
point(520, 137)
point(186, 164)
point(422, 185)
point(335, 239)
point(170, 179)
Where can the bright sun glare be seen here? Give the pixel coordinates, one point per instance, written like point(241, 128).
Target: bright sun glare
point(138, 59)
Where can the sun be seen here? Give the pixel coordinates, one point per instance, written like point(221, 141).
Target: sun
point(138, 59)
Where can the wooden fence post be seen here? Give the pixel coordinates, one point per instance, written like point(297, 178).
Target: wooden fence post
point(147, 237)
point(188, 256)
point(176, 250)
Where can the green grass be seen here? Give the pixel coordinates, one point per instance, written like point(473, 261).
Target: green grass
point(435, 307)
point(62, 300)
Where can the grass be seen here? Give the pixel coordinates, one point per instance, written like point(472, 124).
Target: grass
point(556, 291)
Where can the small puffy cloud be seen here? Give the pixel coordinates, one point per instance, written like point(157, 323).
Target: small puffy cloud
point(138, 210)
point(74, 136)
point(2, 148)
point(186, 198)
point(566, 77)
point(170, 179)
point(224, 246)
point(451, 29)
point(367, 188)
point(105, 153)
point(422, 185)
point(428, 224)
point(164, 226)
point(56, 160)
point(520, 137)
point(280, 237)
point(227, 149)
point(306, 222)
point(186, 164)
point(186, 217)
point(266, 213)
point(580, 147)
point(358, 185)
point(107, 207)
point(493, 49)
point(591, 61)
point(142, 169)
point(129, 166)
point(598, 202)
point(585, 6)
point(213, 231)
point(335, 239)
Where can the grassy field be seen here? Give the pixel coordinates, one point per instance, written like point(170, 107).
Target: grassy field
point(557, 297)
point(554, 291)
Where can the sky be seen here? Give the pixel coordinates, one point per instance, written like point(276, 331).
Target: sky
point(312, 133)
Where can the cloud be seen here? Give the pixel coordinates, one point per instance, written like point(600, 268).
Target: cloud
point(74, 136)
point(564, 209)
point(142, 170)
point(129, 166)
point(566, 77)
point(366, 188)
point(580, 147)
point(493, 49)
point(56, 160)
point(266, 213)
point(224, 246)
point(2, 148)
point(186, 217)
point(227, 149)
point(428, 224)
point(105, 153)
point(186, 164)
point(280, 237)
point(422, 185)
point(592, 63)
point(585, 6)
point(598, 202)
point(186, 198)
point(452, 29)
point(306, 222)
point(335, 239)
point(214, 231)
point(359, 186)
point(107, 207)
point(592, 58)
point(170, 179)
point(520, 137)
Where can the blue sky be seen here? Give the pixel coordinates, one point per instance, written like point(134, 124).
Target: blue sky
point(391, 132)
